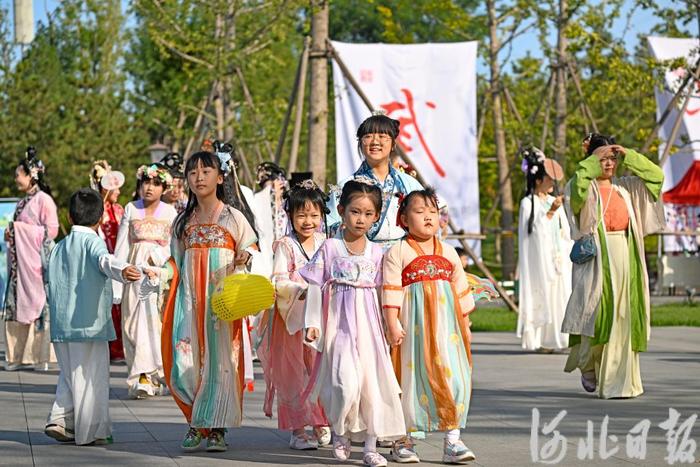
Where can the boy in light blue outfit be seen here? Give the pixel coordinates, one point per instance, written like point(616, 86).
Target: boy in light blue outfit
point(80, 302)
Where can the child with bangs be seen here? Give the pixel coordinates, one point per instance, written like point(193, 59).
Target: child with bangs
point(426, 301)
point(352, 377)
point(203, 356)
point(286, 360)
point(143, 240)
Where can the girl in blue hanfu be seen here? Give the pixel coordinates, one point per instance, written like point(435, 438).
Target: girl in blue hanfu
point(353, 375)
point(376, 143)
point(426, 302)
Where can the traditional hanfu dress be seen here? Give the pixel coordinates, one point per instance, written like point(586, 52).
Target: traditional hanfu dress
point(108, 230)
point(607, 316)
point(545, 274)
point(286, 361)
point(202, 355)
point(353, 375)
point(31, 233)
point(143, 241)
point(433, 363)
point(384, 231)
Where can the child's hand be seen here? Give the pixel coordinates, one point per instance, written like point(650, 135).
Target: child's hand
point(312, 334)
point(131, 273)
point(242, 258)
point(395, 333)
point(150, 273)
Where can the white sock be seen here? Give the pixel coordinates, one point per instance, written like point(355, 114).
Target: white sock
point(452, 435)
point(370, 444)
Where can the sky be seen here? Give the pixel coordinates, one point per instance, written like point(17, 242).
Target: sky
point(639, 20)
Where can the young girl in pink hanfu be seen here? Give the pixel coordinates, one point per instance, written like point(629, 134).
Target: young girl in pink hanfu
point(144, 240)
point(426, 302)
point(286, 360)
point(353, 375)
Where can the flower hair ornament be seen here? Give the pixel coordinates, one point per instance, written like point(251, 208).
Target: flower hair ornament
point(307, 184)
point(174, 163)
point(365, 180)
point(532, 159)
point(154, 171)
point(36, 167)
point(269, 171)
point(224, 151)
point(99, 169)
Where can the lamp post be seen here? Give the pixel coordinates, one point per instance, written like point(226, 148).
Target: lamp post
point(158, 151)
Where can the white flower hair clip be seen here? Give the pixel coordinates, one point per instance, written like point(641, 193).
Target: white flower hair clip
point(365, 179)
point(335, 190)
point(307, 184)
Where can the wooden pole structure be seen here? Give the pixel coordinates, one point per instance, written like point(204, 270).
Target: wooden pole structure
point(249, 99)
point(477, 261)
point(577, 84)
point(298, 118)
point(667, 111)
point(560, 111)
point(318, 105)
point(674, 131)
point(545, 123)
point(198, 121)
point(290, 104)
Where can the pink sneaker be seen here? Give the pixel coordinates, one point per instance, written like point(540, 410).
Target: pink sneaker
point(341, 448)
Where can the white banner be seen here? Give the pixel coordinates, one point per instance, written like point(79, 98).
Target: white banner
point(688, 138)
point(431, 90)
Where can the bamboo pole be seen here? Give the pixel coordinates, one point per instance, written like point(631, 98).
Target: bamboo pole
point(298, 118)
point(477, 261)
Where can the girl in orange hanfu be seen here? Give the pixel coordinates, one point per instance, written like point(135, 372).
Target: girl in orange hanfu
point(426, 302)
point(202, 355)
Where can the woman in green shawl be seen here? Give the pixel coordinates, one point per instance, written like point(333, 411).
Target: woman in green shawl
point(607, 316)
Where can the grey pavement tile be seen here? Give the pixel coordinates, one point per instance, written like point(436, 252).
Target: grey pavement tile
point(508, 384)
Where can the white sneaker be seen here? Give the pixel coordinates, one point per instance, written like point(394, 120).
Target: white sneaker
point(404, 452)
point(374, 459)
point(457, 452)
point(59, 433)
point(323, 435)
point(302, 443)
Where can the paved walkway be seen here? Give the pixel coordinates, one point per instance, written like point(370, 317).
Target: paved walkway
point(508, 384)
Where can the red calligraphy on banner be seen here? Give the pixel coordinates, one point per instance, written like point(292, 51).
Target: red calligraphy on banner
point(408, 119)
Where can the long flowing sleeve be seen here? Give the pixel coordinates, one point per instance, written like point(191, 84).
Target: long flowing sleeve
point(460, 284)
point(288, 291)
point(587, 170)
point(644, 187)
point(316, 273)
point(392, 290)
point(121, 249)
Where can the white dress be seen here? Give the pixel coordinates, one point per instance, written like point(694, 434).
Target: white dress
point(545, 275)
point(142, 238)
